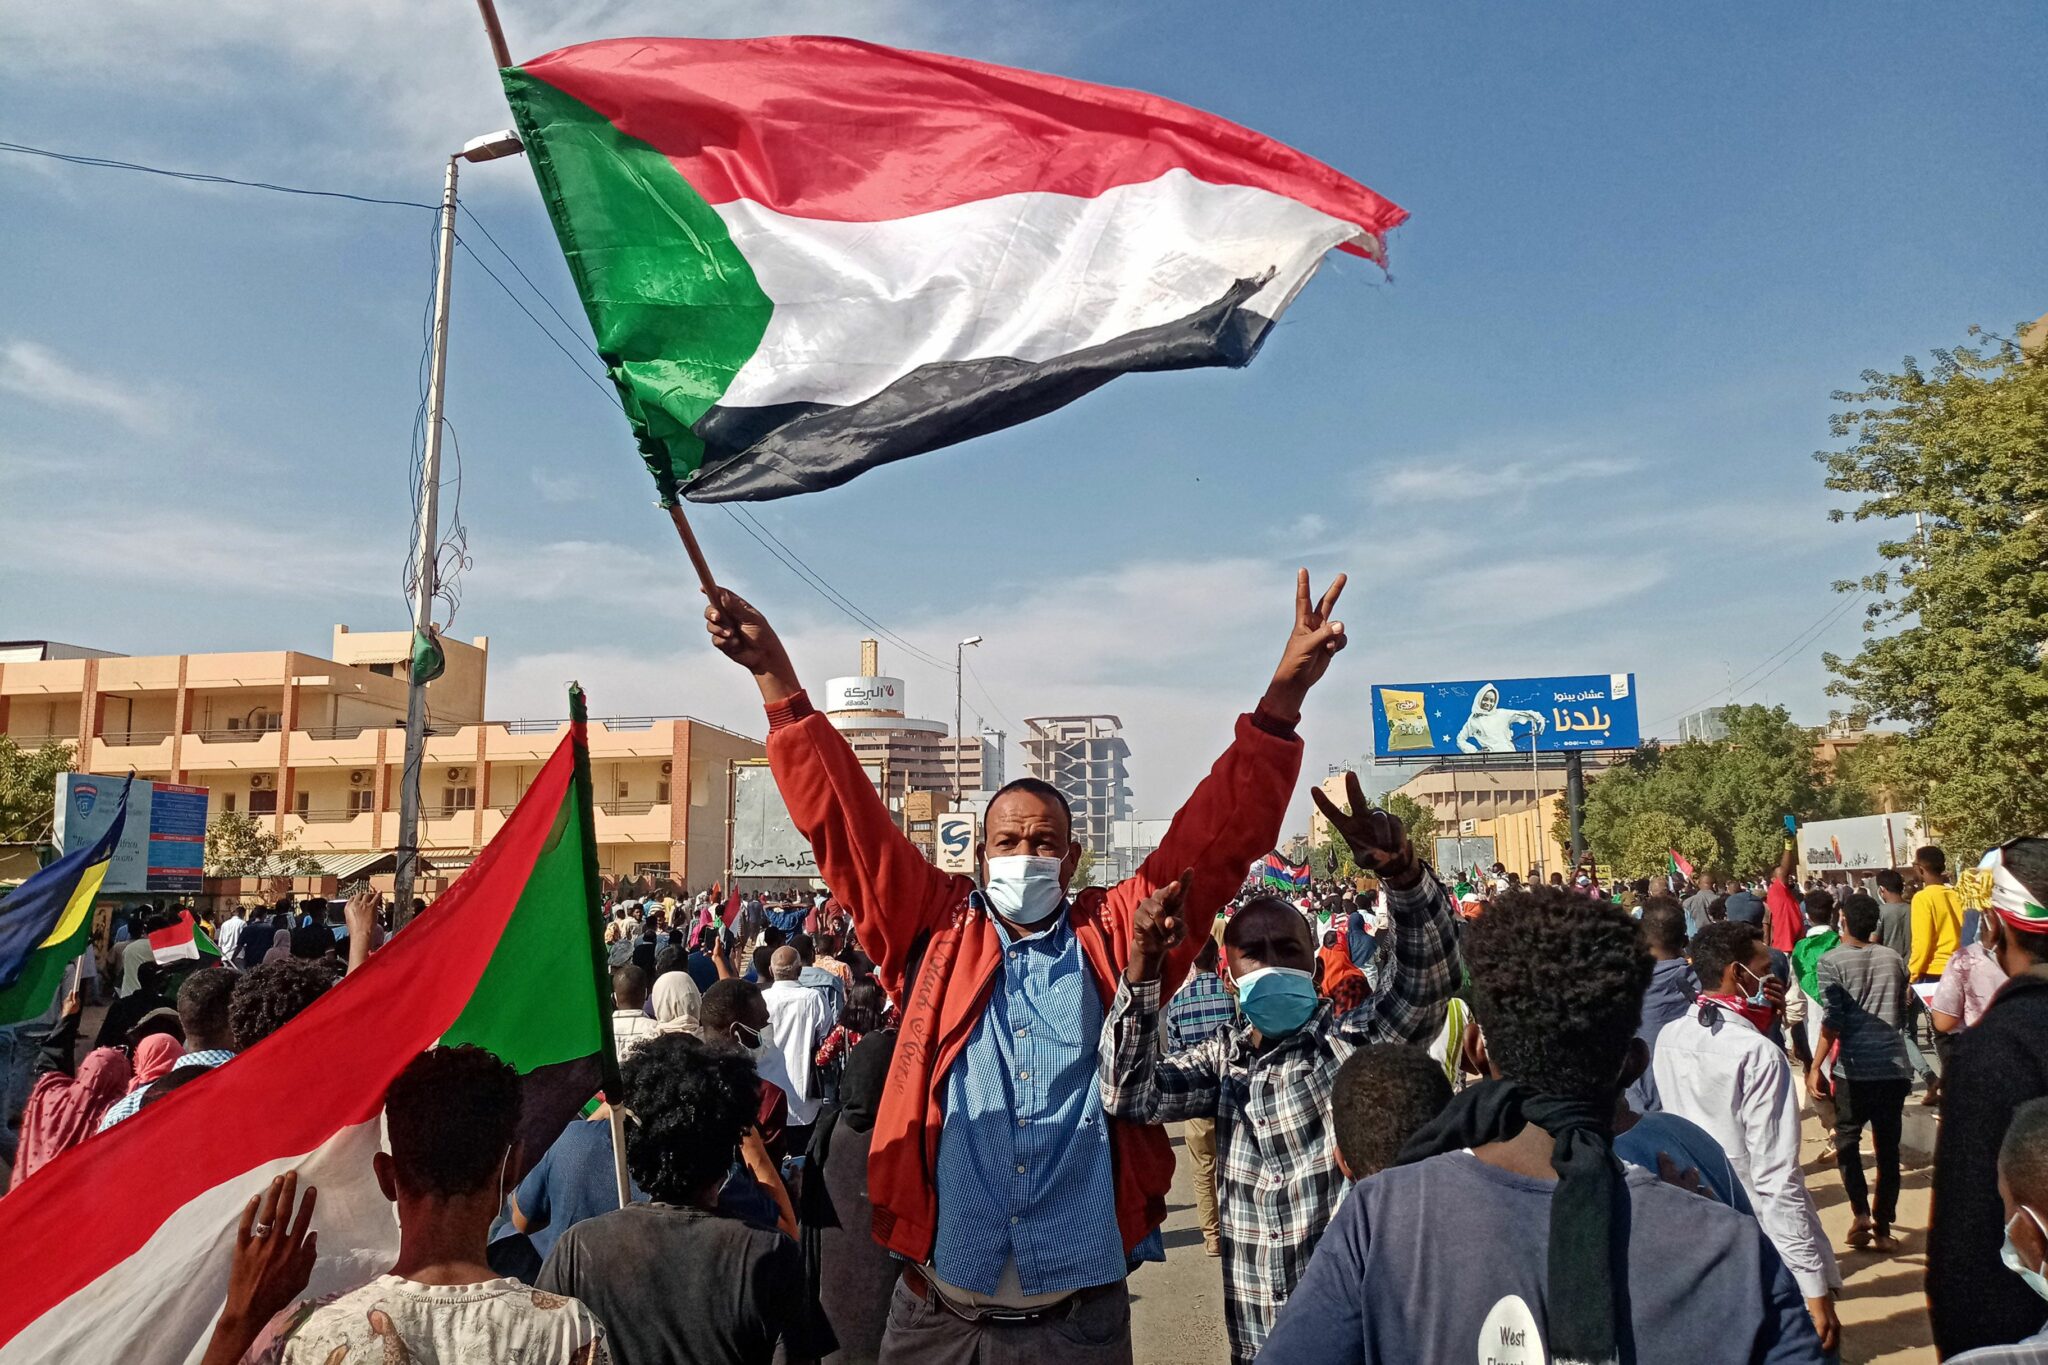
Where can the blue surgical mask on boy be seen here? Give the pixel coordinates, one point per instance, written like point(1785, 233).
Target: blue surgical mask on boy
point(2010, 1254)
point(1277, 1000)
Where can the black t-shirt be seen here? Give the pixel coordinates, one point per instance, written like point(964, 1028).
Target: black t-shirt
point(685, 1286)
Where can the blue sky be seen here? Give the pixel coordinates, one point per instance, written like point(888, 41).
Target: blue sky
point(1571, 433)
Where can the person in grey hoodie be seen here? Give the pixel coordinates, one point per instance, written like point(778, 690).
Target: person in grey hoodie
point(1671, 990)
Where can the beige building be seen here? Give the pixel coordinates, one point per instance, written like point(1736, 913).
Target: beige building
point(1086, 758)
point(921, 812)
point(918, 755)
point(315, 746)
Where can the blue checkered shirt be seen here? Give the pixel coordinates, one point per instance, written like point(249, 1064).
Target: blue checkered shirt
point(1277, 1182)
point(1198, 1009)
point(1024, 1166)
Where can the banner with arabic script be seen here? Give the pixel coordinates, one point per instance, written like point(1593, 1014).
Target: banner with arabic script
point(1505, 716)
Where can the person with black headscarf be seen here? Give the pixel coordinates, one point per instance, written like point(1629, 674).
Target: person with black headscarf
point(1509, 1223)
point(851, 1276)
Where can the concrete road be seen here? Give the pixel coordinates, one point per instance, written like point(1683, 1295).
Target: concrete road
point(1177, 1307)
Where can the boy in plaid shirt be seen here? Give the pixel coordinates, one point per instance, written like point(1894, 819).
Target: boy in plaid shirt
point(1266, 1080)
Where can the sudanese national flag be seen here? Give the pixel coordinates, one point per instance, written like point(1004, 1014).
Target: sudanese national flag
point(102, 1268)
point(806, 257)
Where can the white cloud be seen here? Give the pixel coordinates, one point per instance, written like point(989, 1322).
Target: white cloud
point(37, 373)
point(385, 89)
point(559, 488)
point(168, 550)
point(1492, 483)
point(1310, 526)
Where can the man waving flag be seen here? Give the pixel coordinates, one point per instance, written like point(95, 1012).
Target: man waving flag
point(805, 257)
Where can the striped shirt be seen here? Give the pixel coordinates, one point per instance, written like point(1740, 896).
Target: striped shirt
point(1199, 1008)
point(1863, 999)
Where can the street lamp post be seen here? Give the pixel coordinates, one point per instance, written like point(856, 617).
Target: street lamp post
point(426, 549)
point(959, 661)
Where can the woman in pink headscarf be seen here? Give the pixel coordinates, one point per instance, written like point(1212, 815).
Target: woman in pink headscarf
point(64, 1110)
point(154, 1057)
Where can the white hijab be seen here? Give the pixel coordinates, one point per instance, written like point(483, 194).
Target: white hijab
point(676, 1003)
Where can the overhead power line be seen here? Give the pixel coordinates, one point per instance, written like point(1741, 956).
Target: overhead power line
point(746, 521)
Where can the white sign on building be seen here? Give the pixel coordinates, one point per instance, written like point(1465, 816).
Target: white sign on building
point(765, 841)
point(954, 837)
point(864, 694)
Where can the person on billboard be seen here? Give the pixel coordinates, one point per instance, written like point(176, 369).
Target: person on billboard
point(1490, 729)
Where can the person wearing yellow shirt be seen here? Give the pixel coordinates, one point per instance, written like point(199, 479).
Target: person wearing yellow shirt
point(1937, 916)
point(1937, 922)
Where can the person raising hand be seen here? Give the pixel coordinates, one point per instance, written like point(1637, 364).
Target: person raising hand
point(1015, 1202)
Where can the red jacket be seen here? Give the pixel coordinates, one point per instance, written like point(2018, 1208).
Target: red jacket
point(903, 906)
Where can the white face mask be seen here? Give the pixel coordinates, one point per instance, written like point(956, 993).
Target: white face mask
point(1024, 889)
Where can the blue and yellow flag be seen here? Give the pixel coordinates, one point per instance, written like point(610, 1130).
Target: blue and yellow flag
point(45, 923)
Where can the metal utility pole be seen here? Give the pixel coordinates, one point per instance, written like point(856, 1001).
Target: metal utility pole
point(1575, 803)
point(959, 661)
point(426, 548)
point(1536, 783)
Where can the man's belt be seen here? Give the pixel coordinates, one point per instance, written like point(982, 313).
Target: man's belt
point(922, 1289)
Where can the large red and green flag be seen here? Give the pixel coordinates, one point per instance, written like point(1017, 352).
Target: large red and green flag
point(805, 257)
point(46, 922)
point(104, 1267)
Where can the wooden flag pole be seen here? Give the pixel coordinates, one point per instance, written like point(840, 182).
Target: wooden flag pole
point(696, 553)
point(499, 52)
point(502, 55)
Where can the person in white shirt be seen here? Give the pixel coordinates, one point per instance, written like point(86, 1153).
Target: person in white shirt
point(798, 1020)
point(229, 938)
point(1715, 1066)
point(631, 1023)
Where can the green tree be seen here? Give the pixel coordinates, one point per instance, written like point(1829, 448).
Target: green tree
point(1721, 804)
point(1332, 858)
point(1958, 618)
point(239, 845)
point(1417, 819)
point(28, 790)
point(1085, 868)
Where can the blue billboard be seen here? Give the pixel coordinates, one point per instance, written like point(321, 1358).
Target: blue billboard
point(1503, 716)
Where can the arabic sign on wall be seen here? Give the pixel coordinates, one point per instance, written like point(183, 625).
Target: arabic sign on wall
point(953, 842)
point(1501, 715)
point(163, 844)
point(864, 694)
point(1861, 843)
point(765, 841)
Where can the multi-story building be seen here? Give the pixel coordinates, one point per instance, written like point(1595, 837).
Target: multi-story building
point(918, 755)
point(921, 812)
point(314, 746)
point(1086, 758)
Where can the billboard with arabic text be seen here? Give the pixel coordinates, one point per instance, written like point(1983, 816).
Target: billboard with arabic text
point(1505, 716)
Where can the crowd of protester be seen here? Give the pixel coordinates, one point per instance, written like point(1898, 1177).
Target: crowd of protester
point(928, 1117)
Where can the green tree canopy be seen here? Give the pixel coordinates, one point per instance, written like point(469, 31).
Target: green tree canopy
point(1721, 804)
point(1418, 820)
point(1958, 619)
point(28, 790)
point(240, 845)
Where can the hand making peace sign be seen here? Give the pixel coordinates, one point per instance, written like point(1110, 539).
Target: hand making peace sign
point(1315, 641)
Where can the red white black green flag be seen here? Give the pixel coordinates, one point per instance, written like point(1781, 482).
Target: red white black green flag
point(805, 257)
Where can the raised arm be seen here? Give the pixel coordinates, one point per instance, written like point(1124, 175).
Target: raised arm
point(1235, 814)
point(895, 894)
point(1407, 1006)
point(1138, 1083)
